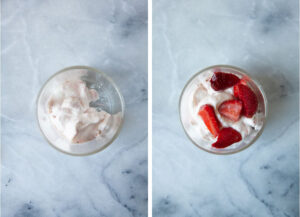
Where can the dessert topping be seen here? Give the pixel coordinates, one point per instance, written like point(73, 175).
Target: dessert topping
point(209, 118)
point(231, 109)
point(227, 137)
point(248, 97)
point(222, 81)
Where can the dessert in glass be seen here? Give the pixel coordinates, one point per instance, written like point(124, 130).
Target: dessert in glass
point(222, 109)
point(80, 110)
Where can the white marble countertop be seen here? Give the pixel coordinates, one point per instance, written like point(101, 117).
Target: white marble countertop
point(38, 39)
point(261, 37)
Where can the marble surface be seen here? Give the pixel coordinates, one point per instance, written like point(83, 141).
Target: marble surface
point(261, 37)
point(38, 39)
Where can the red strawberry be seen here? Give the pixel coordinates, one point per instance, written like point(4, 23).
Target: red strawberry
point(208, 115)
point(221, 80)
point(244, 80)
point(227, 137)
point(248, 97)
point(231, 109)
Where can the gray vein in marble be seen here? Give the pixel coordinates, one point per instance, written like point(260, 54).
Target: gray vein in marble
point(277, 174)
point(173, 62)
point(165, 207)
point(289, 126)
point(253, 192)
point(113, 192)
point(241, 211)
point(195, 211)
point(28, 209)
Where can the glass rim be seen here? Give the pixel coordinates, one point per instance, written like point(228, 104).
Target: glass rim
point(114, 85)
point(265, 101)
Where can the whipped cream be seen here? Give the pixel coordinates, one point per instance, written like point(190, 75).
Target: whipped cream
point(66, 118)
point(198, 93)
point(70, 113)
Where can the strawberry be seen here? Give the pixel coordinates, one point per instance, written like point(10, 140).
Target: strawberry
point(209, 118)
point(221, 80)
point(227, 137)
point(248, 97)
point(244, 80)
point(231, 109)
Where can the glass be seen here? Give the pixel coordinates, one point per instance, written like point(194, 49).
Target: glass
point(110, 100)
point(262, 106)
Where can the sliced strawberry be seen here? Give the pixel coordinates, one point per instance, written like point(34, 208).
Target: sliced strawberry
point(236, 90)
point(227, 137)
point(209, 118)
point(248, 97)
point(231, 109)
point(244, 80)
point(222, 80)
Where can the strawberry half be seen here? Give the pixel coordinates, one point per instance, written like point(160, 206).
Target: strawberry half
point(231, 109)
point(221, 80)
point(227, 137)
point(244, 80)
point(209, 118)
point(248, 97)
